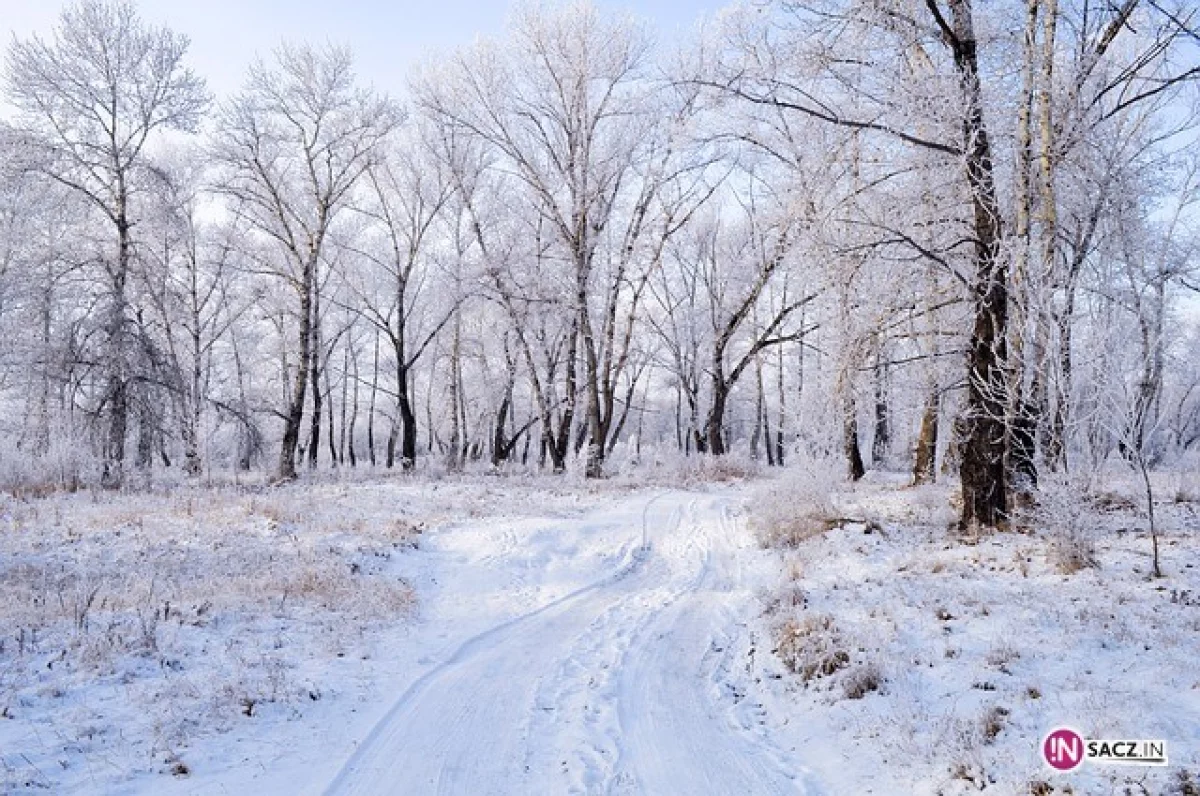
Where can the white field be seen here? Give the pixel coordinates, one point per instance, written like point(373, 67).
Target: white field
point(514, 636)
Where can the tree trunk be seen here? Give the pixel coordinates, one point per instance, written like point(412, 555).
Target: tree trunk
point(925, 462)
point(500, 445)
point(331, 430)
point(982, 470)
point(145, 435)
point(117, 392)
point(881, 442)
point(291, 429)
point(351, 452)
point(407, 420)
point(714, 422)
point(759, 413)
point(346, 372)
point(854, 459)
point(454, 454)
point(371, 403)
point(314, 438)
point(782, 416)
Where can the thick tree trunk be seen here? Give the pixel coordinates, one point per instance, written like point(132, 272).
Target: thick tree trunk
point(1021, 472)
point(408, 420)
point(117, 392)
point(500, 443)
point(560, 443)
point(714, 422)
point(596, 432)
point(982, 470)
point(286, 469)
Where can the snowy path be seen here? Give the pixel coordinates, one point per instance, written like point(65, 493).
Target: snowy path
point(613, 688)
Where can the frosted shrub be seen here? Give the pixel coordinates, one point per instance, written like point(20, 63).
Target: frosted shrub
point(811, 647)
point(66, 466)
point(1064, 514)
point(862, 680)
point(797, 506)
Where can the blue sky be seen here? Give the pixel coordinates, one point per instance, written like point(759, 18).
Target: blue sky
point(387, 37)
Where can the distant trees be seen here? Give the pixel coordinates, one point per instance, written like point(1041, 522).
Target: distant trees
point(572, 110)
point(403, 201)
point(731, 290)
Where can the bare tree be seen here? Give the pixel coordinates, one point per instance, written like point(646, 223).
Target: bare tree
point(93, 95)
point(294, 144)
point(405, 194)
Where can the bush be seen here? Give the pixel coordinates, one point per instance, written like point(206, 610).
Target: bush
point(1064, 515)
point(797, 506)
point(861, 681)
point(811, 647)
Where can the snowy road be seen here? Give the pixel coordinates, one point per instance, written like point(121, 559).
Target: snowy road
point(613, 688)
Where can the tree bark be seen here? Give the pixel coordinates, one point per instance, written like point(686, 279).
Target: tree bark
point(881, 441)
point(117, 393)
point(982, 469)
point(371, 402)
point(286, 470)
point(854, 459)
point(925, 461)
point(314, 438)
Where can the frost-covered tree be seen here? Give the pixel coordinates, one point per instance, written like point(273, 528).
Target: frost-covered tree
point(92, 96)
point(293, 146)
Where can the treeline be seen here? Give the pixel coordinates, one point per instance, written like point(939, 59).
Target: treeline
point(965, 236)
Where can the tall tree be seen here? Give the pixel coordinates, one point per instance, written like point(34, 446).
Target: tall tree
point(294, 145)
point(93, 95)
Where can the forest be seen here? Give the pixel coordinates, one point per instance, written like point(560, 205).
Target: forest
point(947, 239)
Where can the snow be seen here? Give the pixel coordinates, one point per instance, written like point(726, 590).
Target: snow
point(505, 635)
point(605, 689)
point(984, 648)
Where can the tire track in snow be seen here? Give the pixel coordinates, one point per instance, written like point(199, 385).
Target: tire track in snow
point(612, 688)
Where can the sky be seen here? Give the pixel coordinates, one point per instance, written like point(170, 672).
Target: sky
point(387, 37)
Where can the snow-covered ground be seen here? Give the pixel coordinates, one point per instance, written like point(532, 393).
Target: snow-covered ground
point(960, 655)
point(501, 635)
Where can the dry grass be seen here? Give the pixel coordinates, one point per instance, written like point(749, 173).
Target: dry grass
point(204, 604)
point(796, 507)
point(811, 647)
point(862, 680)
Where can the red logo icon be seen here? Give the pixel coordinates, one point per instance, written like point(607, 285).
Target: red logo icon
point(1063, 749)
